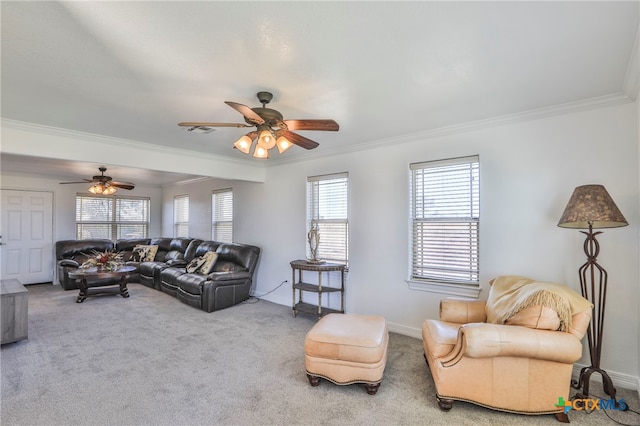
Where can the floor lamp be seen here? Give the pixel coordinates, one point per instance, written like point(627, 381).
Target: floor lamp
point(591, 207)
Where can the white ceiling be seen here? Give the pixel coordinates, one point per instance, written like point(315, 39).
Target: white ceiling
point(133, 70)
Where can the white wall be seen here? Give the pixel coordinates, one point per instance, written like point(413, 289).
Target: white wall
point(528, 172)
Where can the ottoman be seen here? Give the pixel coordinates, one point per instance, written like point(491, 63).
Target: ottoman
point(346, 349)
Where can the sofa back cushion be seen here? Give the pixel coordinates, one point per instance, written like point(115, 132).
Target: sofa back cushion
point(206, 246)
point(233, 256)
point(80, 250)
point(177, 249)
point(190, 252)
point(164, 245)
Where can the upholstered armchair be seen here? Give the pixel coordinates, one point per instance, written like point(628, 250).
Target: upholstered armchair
point(513, 352)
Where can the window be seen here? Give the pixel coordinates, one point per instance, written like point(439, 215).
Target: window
point(222, 215)
point(327, 209)
point(181, 216)
point(111, 217)
point(445, 220)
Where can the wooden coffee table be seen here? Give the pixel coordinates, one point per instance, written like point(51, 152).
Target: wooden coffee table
point(93, 273)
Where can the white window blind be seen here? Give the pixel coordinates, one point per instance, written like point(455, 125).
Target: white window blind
point(445, 220)
point(222, 215)
point(111, 217)
point(327, 198)
point(181, 216)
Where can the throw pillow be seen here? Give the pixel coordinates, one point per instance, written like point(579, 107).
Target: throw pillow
point(210, 258)
point(518, 300)
point(537, 316)
point(145, 253)
point(195, 264)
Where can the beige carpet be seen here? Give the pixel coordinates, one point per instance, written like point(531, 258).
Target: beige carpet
point(151, 360)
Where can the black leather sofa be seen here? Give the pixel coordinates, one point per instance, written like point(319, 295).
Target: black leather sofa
point(227, 284)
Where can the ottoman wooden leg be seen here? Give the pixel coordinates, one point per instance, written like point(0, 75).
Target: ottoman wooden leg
point(372, 388)
point(313, 380)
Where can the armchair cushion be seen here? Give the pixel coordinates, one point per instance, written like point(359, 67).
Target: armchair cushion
point(462, 311)
point(518, 300)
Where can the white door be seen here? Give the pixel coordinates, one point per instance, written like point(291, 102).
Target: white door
point(26, 250)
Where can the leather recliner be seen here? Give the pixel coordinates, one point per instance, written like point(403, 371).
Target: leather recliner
point(229, 282)
point(168, 277)
point(70, 254)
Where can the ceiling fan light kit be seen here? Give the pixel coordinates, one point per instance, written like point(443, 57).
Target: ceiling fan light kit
point(283, 144)
point(266, 139)
point(272, 130)
point(261, 152)
point(244, 144)
point(103, 189)
point(104, 185)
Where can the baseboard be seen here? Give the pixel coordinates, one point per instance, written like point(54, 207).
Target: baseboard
point(404, 330)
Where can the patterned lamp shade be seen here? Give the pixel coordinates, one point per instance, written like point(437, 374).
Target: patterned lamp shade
point(591, 205)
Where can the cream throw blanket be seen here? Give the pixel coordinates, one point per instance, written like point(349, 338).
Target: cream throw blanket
point(511, 294)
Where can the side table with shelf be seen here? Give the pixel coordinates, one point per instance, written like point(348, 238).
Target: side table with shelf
point(301, 286)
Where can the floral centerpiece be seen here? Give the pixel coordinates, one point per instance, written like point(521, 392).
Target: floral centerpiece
point(107, 260)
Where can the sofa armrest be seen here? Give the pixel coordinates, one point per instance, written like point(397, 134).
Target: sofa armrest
point(69, 262)
point(462, 311)
point(176, 263)
point(229, 276)
point(482, 340)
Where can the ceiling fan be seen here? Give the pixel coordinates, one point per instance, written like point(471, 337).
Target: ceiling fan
point(271, 128)
point(104, 185)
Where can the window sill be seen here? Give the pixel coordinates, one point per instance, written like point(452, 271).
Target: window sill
point(442, 288)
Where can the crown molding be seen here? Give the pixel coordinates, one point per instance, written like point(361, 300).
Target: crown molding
point(111, 141)
point(556, 110)
point(508, 119)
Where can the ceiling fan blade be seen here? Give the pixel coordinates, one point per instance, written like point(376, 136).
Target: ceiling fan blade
point(84, 181)
point(325, 125)
point(246, 111)
point(297, 139)
point(123, 185)
point(204, 124)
